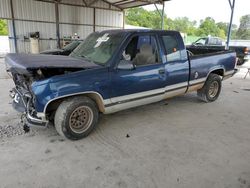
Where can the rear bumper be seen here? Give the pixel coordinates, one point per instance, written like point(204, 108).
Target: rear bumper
point(21, 103)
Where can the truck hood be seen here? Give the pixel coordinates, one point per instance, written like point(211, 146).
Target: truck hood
point(22, 63)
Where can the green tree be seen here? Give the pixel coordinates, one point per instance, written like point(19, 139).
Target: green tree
point(244, 29)
point(224, 26)
point(3, 27)
point(184, 25)
point(152, 19)
point(209, 27)
point(143, 18)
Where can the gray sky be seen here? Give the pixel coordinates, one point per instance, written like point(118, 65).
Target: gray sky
point(200, 9)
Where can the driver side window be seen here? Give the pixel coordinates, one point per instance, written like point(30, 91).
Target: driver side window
point(142, 50)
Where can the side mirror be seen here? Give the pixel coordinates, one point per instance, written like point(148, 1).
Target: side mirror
point(126, 65)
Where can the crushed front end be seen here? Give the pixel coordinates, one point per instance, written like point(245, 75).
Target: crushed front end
point(24, 100)
point(29, 70)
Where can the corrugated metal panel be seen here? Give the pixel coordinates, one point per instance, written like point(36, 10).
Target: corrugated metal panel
point(34, 10)
point(12, 46)
point(74, 2)
point(98, 4)
point(10, 29)
point(78, 15)
point(101, 4)
point(109, 18)
point(47, 30)
point(69, 30)
point(47, 45)
point(105, 28)
point(5, 11)
point(24, 46)
point(133, 3)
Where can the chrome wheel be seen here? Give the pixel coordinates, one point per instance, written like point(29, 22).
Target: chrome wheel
point(81, 119)
point(213, 89)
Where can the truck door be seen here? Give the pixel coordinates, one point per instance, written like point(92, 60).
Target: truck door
point(139, 76)
point(176, 63)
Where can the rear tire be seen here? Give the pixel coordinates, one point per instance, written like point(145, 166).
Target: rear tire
point(211, 89)
point(76, 117)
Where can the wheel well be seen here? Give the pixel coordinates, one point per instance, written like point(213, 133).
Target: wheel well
point(52, 106)
point(219, 72)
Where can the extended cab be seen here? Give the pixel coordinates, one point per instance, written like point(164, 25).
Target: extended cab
point(112, 71)
point(216, 44)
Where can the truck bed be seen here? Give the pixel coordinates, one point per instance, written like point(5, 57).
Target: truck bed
point(203, 64)
point(203, 50)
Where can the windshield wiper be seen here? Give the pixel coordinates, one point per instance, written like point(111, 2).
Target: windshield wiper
point(97, 63)
point(83, 56)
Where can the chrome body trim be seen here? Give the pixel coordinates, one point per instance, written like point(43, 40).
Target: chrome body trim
point(143, 94)
point(134, 103)
point(197, 81)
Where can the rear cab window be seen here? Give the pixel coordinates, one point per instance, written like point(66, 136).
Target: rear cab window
point(172, 50)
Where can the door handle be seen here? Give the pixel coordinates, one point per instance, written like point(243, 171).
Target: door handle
point(162, 71)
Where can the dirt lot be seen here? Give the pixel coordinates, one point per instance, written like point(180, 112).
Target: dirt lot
point(180, 142)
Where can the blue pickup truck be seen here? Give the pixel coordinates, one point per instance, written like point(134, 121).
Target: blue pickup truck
point(111, 71)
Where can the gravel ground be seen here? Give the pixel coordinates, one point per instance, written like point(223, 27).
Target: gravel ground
point(9, 130)
point(180, 142)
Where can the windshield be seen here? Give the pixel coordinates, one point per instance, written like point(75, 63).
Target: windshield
point(71, 46)
point(98, 47)
point(201, 41)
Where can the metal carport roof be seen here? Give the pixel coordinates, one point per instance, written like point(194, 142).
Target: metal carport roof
point(119, 4)
point(123, 4)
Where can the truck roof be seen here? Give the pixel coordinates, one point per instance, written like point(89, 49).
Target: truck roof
point(139, 31)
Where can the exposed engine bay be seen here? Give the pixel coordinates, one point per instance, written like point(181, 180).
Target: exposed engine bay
point(41, 73)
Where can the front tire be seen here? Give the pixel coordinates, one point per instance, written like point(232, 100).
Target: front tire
point(76, 117)
point(211, 89)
